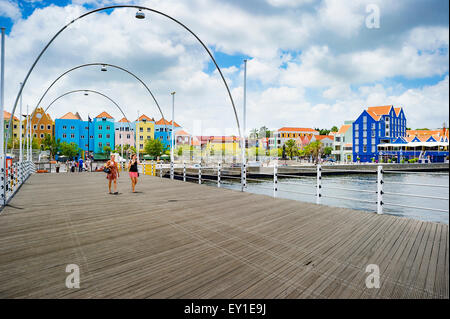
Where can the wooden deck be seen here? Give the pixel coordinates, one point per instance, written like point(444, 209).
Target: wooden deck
point(183, 240)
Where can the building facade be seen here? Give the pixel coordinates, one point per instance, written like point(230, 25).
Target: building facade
point(163, 131)
point(103, 132)
point(124, 133)
point(145, 130)
point(378, 124)
point(284, 134)
point(41, 124)
point(343, 143)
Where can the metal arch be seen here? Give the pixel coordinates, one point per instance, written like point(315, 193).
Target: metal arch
point(98, 63)
point(114, 7)
point(75, 91)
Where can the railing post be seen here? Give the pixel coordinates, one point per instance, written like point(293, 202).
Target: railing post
point(243, 177)
point(184, 171)
point(200, 173)
point(319, 184)
point(275, 179)
point(380, 190)
point(219, 168)
point(171, 170)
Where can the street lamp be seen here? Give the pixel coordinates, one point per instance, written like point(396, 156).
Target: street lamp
point(173, 121)
point(140, 14)
point(104, 68)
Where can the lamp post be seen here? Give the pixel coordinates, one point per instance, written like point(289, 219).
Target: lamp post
point(244, 119)
point(20, 130)
point(172, 133)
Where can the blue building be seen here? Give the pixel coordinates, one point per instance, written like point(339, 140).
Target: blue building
point(103, 132)
point(163, 131)
point(376, 125)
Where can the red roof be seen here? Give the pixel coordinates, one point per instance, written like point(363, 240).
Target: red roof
point(175, 124)
point(69, 116)
point(144, 117)
point(321, 137)
point(124, 120)
point(297, 129)
point(163, 122)
point(181, 132)
point(344, 128)
point(104, 114)
point(7, 116)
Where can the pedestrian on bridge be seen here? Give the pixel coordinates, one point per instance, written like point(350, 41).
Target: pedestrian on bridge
point(113, 173)
point(133, 171)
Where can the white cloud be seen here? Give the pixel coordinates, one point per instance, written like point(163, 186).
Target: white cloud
point(9, 9)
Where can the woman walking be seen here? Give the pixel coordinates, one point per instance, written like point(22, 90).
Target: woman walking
point(133, 171)
point(112, 174)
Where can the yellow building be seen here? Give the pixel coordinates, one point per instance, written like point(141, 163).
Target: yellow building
point(145, 130)
point(226, 145)
point(15, 123)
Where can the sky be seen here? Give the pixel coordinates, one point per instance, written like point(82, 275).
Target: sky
point(311, 63)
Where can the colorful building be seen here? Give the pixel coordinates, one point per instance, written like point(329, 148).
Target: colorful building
point(163, 131)
point(124, 133)
point(145, 130)
point(376, 125)
point(285, 134)
point(103, 133)
point(343, 143)
point(41, 124)
point(15, 123)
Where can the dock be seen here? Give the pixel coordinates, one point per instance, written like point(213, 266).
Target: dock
point(177, 239)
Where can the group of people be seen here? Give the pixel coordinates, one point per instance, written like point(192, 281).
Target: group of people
point(76, 166)
point(112, 169)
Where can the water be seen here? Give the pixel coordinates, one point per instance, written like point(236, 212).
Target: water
point(289, 188)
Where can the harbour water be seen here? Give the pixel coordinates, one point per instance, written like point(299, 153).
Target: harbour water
point(291, 188)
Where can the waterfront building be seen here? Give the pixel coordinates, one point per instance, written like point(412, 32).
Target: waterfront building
point(145, 130)
point(15, 123)
point(163, 131)
point(376, 125)
point(41, 124)
point(104, 134)
point(124, 133)
point(285, 134)
point(182, 138)
point(326, 140)
point(343, 143)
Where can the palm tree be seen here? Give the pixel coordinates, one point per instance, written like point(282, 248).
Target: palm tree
point(254, 133)
point(314, 149)
point(291, 148)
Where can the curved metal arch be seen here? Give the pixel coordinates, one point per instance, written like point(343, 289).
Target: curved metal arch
point(75, 91)
point(114, 7)
point(98, 63)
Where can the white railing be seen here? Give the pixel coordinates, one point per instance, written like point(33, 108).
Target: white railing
point(12, 179)
point(219, 174)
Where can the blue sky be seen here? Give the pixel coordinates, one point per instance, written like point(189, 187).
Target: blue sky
point(311, 63)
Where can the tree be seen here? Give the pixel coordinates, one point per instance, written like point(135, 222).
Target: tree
point(334, 129)
point(264, 132)
point(291, 148)
point(313, 149)
point(254, 133)
point(70, 150)
point(327, 150)
point(180, 151)
point(51, 144)
point(107, 150)
point(153, 147)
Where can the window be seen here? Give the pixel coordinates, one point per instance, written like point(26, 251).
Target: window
point(387, 119)
point(7, 126)
point(357, 149)
point(49, 127)
point(91, 137)
point(107, 144)
point(337, 139)
point(42, 135)
point(35, 135)
point(141, 138)
point(127, 129)
point(64, 135)
point(364, 119)
point(364, 133)
point(373, 148)
point(148, 129)
point(120, 135)
point(72, 127)
point(100, 136)
point(108, 127)
point(128, 135)
point(64, 127)
point(364, 126)
point(72, 135)
point(82, 136)
point(365, 141)
point(15, 126)
point(15, 135)
point(364, 149)
point(148, 137)
point(100, 145)
point(356, 142)
point(373, 133)
point(373, 126)
point(356, 127)
point(373, 141)
point(108, 136)
point(141, 129)
point(141, 146)
point(100, 127)
point(34, 127)
point(42, 126)
point(356, 133)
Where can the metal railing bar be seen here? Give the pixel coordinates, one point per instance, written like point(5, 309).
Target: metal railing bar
point(417, 207)
point(349, 198)
point(413, 195)
point(415, 184)
point(290, 176)
point(349, 189)
point(412, 172)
